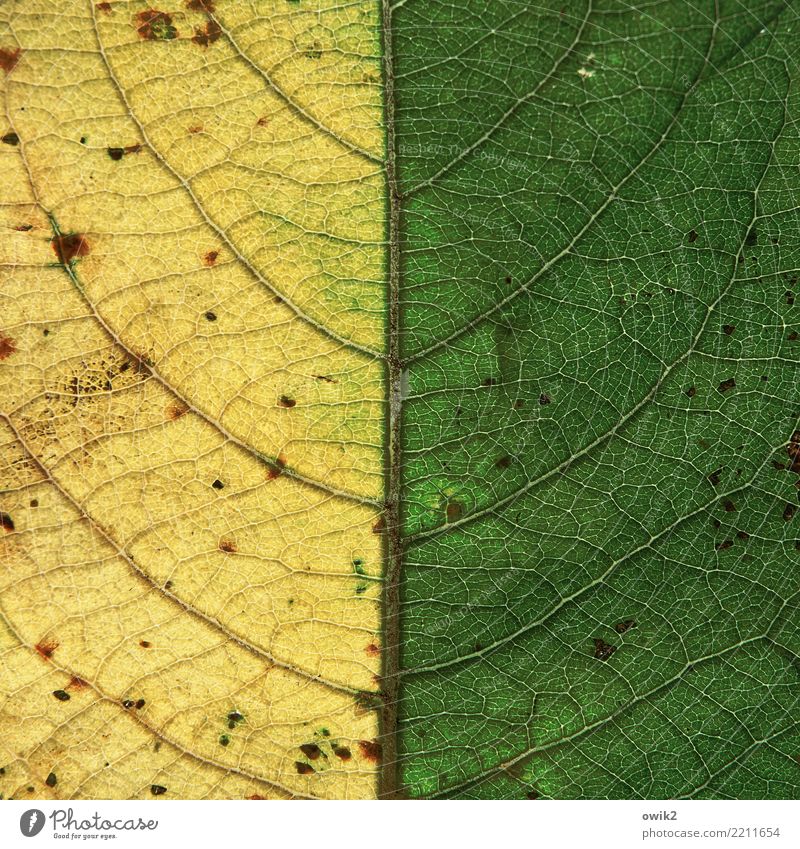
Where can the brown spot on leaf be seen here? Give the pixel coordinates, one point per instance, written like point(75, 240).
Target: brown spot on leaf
point(67, 246)
point(211, 258)
point(691, 236)
point(489, 381)
point(603, 650)
point(793, 450)
point(286, 402)
point(207, 34)
point(256, 798)
point(518, 404)
point(275, 469)
point(691, 391)
point(45, 648)
point(9, 56)
point(76, 683)
point(325, 378)
point(61, 695)
point(726, 385)
point(153, 25)
point(788, 512)
point(544, 399)
point(371, 750)
point(729, 506)
point(380, 526)
point(372, 650)
point(714, 477)
point(175, 411)
point(262, 121)
point(116, 153)
point(206, 6)
point(10, 138)
point(728, 328)
point(227, 545)
point(145, 644)
point(341, 752)
point(454, 511)
point(503, 462)
point(311, 750)
point(724, 545)
point(24, 228)
point(7, 347)
point(6, 523)
point(303, 768)
point(158, 789)
point(51, 780)
point(743, 535)
point(103, 7)
point(625, 625)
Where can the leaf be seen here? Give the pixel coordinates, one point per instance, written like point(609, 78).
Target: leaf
point(398, 400)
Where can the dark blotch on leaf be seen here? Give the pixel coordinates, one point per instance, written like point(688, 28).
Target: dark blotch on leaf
point(371, 750)
point(211, 316)
point(67, 246)
point(726, 385)
point(715, 477)
point(51, 780)
point(503, 462)
point(153, 25)
point(544, 399)
point(625, 625)
point(724, 545)
point(128, 704)
point(158, 789)
point(303, 768)
point(61, 695)
point(217, 484)
point(691, 236)
point(603, 650)
point(342, 752)
point(11, 138)
point(6, 523)
point(224, 739)
point(691, 391)
point(287, 402)
point(728, 328)
point(311, 750)
point(788, 512)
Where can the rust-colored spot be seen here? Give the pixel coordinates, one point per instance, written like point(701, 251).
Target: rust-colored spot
point(207, 34)
point(116, 153)
point(9, 56)
point(24, 228)
point(7, 347)
point(311, 750)
point(603, 650)
point(372, 650)
point(371, 750)
point(103, 7)
point(325, 378)
point(256, 798)
point(67, 246)
point(227, 545)
point(6, 523)
point(145, 644)
point(262, 121)
point(726, 385)
point(210, 258)
point(76, 683)
point(380, 526)
point(206, 6)
point(455, 510)
point(196, 128)
point(287, 402)
point(153, 25)
point(342, 752)
point(45, 648)
point(793, 450)
point(175, 411)
point(303, 769)
point(275, 470)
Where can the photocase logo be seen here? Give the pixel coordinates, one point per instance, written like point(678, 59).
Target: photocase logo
point(31, 822)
